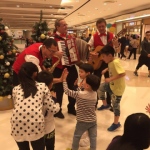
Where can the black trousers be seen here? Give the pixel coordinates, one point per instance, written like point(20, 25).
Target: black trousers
point(50, 141)
point(106, 75)
point(143, 60)
point(133, 51)
point(36, 145)
point(58, 88)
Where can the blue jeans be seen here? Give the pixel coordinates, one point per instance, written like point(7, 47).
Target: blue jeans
point(104, 87)
point(81, 127)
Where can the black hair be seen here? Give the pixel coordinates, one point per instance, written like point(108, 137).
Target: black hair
point(86, 67)
point(137, 130)
point(100, 20)
point(49, 42)
point(27, 82)
point(93, 81)
point(90, 34)
point(45, 77)
point(107, 50)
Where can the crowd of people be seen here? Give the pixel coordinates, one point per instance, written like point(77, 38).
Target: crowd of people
point(35, 106)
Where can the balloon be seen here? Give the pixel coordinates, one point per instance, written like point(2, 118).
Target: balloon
point(112, 29)
point(108, 25)
point(113, 25)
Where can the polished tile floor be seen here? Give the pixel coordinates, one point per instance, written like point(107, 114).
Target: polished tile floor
point(135, 98)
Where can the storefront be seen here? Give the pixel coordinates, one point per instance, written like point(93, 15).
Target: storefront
point(145, 26)
point(133, 27)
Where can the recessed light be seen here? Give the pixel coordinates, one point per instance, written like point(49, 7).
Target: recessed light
point(17, 6)
point(105, 3)
point(120, 4)
point(50, 6)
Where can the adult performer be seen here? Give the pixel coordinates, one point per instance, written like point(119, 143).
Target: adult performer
point(35, 53)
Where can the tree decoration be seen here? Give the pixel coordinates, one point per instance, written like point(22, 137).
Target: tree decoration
point(40, 30)
point(7, 58)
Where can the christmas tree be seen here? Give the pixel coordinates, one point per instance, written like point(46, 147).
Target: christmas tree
point(40, 33)
point(40, 30)
point(7, 57)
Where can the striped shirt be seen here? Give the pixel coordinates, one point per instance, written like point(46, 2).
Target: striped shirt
point(85, 101)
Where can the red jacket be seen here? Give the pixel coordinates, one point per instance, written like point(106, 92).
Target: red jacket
point(31, 50)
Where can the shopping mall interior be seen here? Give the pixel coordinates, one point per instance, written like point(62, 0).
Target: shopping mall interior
point(22, 20)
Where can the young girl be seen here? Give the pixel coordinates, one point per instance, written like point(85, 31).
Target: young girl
point(27, 121)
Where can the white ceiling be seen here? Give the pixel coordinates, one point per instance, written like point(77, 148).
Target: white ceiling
point(22, 14)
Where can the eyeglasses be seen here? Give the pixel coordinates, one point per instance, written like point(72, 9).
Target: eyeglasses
point(52, 51)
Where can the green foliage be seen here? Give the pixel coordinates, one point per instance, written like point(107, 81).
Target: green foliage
point(40, 28)
point(7, 58)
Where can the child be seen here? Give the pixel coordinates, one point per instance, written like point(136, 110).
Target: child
point(84, 70)
point(47, 78)
point(27, 121)
point(144, 58)
point(86, 116)
point(114, 85)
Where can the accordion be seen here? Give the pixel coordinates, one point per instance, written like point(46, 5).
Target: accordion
point(70, 52)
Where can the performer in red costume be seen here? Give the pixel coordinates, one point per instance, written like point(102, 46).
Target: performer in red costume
point(61, 35)
point(35, 53)
point(101, 38)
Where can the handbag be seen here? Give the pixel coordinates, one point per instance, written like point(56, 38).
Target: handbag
point(130, 48)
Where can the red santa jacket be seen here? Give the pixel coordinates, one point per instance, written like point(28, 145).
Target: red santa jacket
point(31, 50)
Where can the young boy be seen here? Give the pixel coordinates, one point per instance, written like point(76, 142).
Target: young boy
point(84, 70)
point(47, 78)
point(86, 116)
point(144, 58)
point(114, 85)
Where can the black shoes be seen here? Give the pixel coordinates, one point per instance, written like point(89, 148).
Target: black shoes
point(135, 73)
point(72, 112)
point(59, 115)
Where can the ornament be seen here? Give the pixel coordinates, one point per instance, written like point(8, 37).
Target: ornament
point(1, 98)
point(42, 36)
point(6, 75)
point(14, 51)
point(1, 56)
point(9, 53)
point(0, 38)
point(7, 63)
point(9, 96)
point(6, 28)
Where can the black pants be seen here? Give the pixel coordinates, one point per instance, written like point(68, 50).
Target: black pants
point(36, 145)
point(50, 141)
point(122, 51)
point(133, 51)
point(15, 79)
point(143, 60)
point(58, 88)
point(106, 75)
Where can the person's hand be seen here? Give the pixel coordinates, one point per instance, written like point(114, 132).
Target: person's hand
point(104, 71)
point(59, 54)
point(64, 74)
point(148, 108)
point(107, 80)
point(53, 94)
point(115, 41)
point(76, 82)
point(148, 55)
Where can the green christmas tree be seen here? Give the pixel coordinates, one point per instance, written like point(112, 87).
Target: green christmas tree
point(40, 30)
point(40, 33)
point(7, 57)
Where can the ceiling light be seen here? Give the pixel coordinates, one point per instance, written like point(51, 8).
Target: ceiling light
point(120, 4)
point(17, 6)
point(105, 3)
point(96, 8)
point(51, 6)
